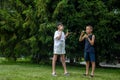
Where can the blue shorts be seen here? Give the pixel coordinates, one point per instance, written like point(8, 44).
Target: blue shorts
point(89, 56)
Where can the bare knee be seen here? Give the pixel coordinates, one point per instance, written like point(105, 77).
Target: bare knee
point(93, 63)
point(55, 58)
point(87, 62)
point(62, 58)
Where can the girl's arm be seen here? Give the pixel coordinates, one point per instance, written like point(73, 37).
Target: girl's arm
point(66, 35)
point(92, 41)
point(59, 36)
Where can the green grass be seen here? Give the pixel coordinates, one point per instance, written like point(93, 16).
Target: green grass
point(27, 71)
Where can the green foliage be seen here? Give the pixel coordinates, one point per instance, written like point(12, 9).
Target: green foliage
point(27, 27)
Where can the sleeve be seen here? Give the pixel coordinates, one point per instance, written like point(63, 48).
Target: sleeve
point(56, 34)
point(63, 34)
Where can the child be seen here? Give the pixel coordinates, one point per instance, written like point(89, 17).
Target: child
point(89, 53)
point(59, 48)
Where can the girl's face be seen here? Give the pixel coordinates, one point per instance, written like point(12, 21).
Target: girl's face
point(60, 27)
point(88, 30)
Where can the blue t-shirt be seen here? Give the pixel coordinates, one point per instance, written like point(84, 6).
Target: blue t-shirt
point(88, 47)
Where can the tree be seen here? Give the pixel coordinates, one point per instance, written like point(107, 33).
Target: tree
point(27, 27)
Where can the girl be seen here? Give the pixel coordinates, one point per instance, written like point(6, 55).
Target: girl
point(59, 48)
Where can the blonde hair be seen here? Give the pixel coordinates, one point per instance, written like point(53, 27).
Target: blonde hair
point(90, 26)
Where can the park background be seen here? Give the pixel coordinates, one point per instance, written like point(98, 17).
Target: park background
point(27, 28)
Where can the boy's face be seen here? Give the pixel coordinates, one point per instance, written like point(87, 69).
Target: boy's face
point(88, 30)
point(60, 27)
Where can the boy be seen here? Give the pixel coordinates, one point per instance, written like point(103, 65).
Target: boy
point(59, 48)
point(89, 53)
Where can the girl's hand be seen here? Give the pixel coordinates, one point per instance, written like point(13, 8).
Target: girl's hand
point(67, 33)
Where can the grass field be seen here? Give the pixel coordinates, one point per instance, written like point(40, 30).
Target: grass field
point(27, 71)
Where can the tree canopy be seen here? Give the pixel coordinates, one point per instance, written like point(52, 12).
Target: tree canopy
point(27, 27)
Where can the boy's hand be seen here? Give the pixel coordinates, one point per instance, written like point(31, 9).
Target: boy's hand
point(86, 36)
point(82, 33)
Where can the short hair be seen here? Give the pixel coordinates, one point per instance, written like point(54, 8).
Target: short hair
point(90, 26)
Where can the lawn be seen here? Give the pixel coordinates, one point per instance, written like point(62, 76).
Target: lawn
point(27, 71)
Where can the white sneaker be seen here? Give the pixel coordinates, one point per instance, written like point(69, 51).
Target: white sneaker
point(54, 74)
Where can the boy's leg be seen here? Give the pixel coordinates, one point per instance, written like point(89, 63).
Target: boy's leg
point(92, 59)
point(86, 56)
point(93, 68)
point(87, 67)
point(63, 63)
point(54, 62)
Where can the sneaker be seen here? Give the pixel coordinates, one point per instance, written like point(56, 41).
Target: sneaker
point(85, 74)
point(66, 74)
point(91, 76)
point(54, 74)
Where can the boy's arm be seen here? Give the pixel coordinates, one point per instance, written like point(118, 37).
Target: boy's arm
point(82, 37)
point(92, 41)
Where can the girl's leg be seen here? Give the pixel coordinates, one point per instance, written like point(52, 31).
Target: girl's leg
point(54, 62)
point(63, 63)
